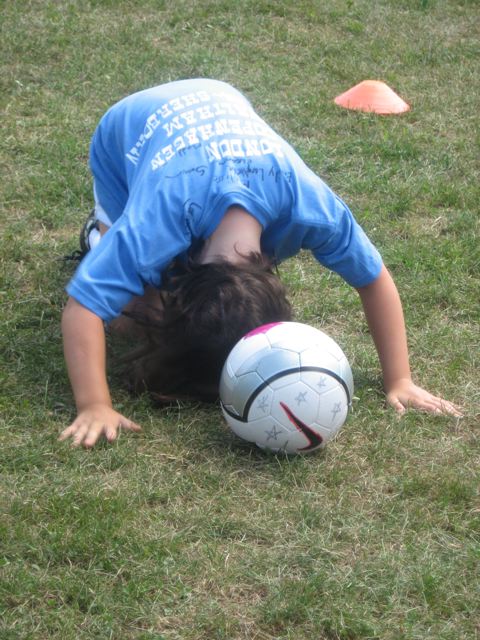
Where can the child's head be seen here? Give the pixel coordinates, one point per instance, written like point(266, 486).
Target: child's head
point(208, 308)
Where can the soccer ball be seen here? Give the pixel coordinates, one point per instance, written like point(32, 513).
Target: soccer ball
point(286, 387)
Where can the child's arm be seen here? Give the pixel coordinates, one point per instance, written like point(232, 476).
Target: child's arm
point(384, 313)
point(84, 347)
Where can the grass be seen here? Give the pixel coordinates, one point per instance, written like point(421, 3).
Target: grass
point(184, 532)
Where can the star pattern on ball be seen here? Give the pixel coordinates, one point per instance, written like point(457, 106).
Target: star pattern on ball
point(273, 433)
point(337, 407)
point(284, 447)
point(301, 397)
point(263, 403)
point(322, 382)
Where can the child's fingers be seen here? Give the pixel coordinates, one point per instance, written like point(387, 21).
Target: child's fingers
point(80, 434)
point(434, 404)
point(397, 405)
point(66, 433)
point(95, 430)
point(70, 432)
point(424, 401)
point(124, 423)
point(129, 424)
point(451, 409)
point(394, 401)
point(86, 430)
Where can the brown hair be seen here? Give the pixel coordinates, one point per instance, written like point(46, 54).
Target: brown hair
point(204, 311)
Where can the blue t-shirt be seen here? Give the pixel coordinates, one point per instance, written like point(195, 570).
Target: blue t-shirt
point(169, 161)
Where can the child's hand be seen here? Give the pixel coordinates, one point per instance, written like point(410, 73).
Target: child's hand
point(95, 421)
point(404, 395)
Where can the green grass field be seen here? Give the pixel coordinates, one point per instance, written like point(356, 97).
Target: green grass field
point(183, 532)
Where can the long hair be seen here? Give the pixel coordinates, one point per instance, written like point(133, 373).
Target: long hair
point(204, 310)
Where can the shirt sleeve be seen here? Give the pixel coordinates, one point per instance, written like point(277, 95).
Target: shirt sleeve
point(342, 246)
point(133, 253)
point(108, 277)
point(330, 230)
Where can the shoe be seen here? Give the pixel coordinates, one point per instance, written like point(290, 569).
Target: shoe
point(90, 234)
point(89, 237)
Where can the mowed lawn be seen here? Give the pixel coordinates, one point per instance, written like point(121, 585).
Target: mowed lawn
point(184, 532)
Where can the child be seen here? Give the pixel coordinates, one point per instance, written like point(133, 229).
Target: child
point(197, 196)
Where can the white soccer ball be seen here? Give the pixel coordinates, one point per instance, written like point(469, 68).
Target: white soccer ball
point(286, 387)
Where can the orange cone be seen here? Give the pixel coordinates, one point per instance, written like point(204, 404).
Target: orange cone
point(372, 96)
